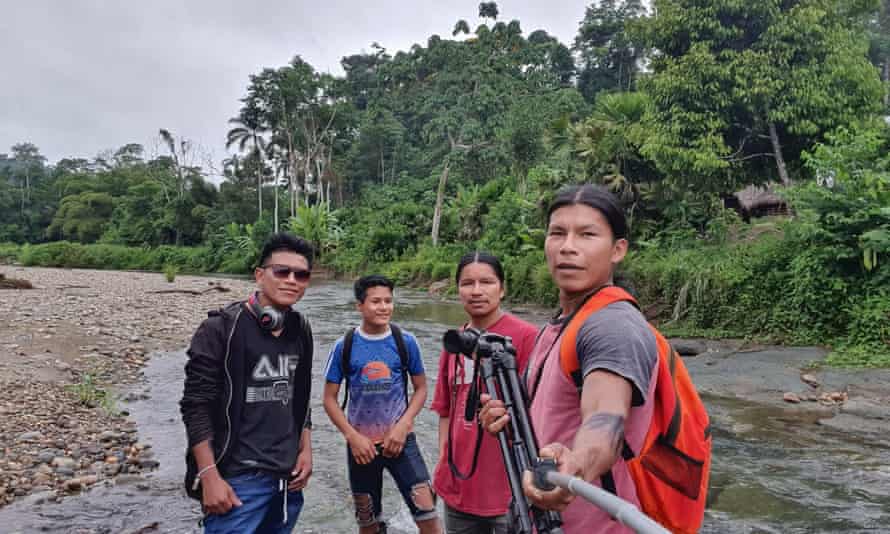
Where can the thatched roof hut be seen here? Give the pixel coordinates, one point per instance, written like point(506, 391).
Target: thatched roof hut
point(754, 201)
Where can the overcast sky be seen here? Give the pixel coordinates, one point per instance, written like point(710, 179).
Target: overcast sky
point(79, 77)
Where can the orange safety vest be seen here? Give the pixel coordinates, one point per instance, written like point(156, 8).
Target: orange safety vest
point(671, 470)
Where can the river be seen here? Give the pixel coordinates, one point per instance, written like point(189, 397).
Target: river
point(773, 471)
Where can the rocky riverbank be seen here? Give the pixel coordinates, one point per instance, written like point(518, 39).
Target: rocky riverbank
point(68, 348)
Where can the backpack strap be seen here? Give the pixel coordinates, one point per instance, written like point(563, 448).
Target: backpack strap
point(344, 363)
point(607, 482)
point(571, 365)
point(568, 353)
point(403, 356)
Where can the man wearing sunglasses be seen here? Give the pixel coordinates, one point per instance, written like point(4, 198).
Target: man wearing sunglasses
point(246, 400)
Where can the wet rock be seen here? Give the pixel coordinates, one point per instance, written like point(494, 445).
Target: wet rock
point(44, 469)
point(833, 398)
point(126, 479)
point(30, 437)
point(42, 479)
point(438, 288)
point(689, 347)
point(46, 455)
point(148, 463)
point(791, 397)
point(65, 471)
point(810, 380)
point(111, 469)
point(63, 462)
point(65, 421)
point(109, 435)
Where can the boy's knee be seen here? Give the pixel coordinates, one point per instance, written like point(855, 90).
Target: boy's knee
point(425, 504)
point(422, 496)
point(364, 510)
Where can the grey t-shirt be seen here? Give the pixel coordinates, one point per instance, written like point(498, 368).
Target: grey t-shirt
point(619, 340)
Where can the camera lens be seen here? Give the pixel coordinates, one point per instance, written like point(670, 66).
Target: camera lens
point(461, 342)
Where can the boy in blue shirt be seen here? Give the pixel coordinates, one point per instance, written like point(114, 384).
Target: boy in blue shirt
point(380, 417)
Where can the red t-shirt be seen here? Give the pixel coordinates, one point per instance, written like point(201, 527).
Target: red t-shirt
point(487, 492)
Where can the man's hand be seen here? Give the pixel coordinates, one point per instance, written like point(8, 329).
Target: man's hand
point(558, 498)
point(216, 494)
point(394, 440)
point(363, 449)
point(302, 471)
point(493, 415)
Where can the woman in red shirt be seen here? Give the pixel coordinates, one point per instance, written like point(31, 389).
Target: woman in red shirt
point(474, 485)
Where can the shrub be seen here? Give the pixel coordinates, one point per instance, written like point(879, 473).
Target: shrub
point(170, 271)
point(9, 252)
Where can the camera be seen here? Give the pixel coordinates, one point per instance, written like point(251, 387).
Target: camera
point(484, 344)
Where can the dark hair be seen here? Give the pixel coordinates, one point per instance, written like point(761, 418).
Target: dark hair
point(480, 257)
point(363, 284)
point(289, 242)
point(598, 198)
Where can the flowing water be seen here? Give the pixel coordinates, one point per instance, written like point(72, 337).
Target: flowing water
point(772, 473)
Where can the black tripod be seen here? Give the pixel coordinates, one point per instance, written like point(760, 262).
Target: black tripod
point(519, 447)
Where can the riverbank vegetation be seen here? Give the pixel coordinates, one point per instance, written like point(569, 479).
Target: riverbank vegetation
point(751, 159)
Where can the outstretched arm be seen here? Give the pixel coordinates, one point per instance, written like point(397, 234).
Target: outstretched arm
point(605, 406)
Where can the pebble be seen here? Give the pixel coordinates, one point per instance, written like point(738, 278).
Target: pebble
point(63, 461)
point(33, 436)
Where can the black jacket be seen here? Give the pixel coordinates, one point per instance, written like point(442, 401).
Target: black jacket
point(213, 396)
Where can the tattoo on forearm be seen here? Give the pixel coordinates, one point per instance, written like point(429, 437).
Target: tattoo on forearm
point(610, 426)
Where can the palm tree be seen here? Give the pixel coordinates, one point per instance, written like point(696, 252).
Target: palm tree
point(608, 141)
point(277, 154)
point(248, 135)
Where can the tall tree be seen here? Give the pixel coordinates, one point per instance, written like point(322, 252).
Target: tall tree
point(29, 163)
point(608, 54)
point(184, 156)
point(879, 46)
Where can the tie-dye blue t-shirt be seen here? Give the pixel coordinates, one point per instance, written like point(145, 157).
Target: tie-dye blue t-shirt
point(376, 382)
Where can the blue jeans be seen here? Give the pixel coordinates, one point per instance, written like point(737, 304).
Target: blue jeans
point(261, 511)
point(408, 470)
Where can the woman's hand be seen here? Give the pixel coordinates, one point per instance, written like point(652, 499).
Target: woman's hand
point(493, 415)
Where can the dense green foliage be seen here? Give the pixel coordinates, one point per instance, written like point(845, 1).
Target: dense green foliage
point(410, 159)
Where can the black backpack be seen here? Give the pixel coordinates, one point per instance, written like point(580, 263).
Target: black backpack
point(347, 354)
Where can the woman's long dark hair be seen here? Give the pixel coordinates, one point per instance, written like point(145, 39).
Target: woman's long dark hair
point(598, 198)
point(480, 257)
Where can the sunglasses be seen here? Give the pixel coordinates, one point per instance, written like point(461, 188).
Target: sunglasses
point(283, 272)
